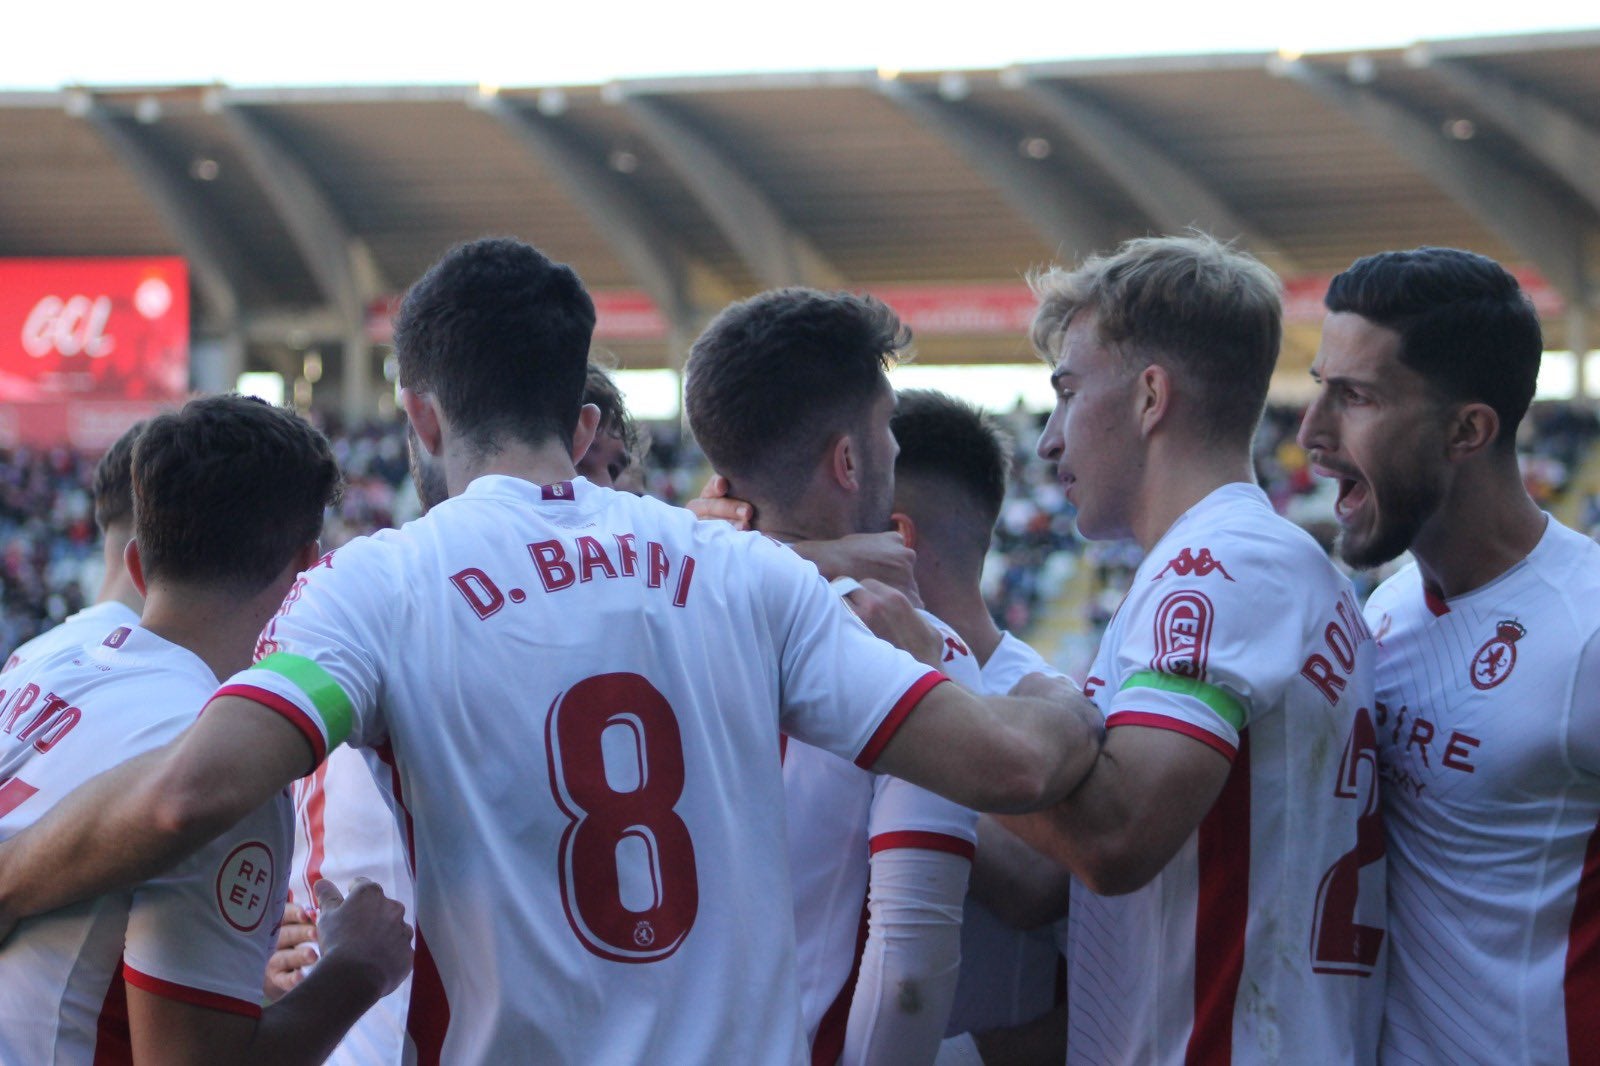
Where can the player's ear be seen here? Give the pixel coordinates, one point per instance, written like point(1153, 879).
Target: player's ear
point(423, 411)
point(844, 465)
point(906, 528)
point(583, 433)
point(135, 565)
point(1152, 397)
point(1473, 428)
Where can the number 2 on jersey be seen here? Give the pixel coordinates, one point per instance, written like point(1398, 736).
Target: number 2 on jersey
point(1339, 944)
point(628, 880)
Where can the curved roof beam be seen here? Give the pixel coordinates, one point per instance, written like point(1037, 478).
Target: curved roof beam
point(1502, 199)
point(1168, 192)
point(770, 246)
point(339, 261)
point(1546, 132)
point(684, 288)
point(1064, 217)
point(216, 266)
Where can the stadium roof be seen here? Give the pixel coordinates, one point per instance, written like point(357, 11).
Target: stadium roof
point(301, 209)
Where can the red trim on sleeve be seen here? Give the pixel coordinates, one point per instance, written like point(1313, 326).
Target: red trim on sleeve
point(1580, 984)
point(1174, 725)
point(274, 702)
point(923, 839)
point(195, 997)
point(896, 717)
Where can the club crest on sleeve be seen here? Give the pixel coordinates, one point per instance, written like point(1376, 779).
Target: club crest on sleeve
point(1188, 562)
point(1183, 635)
point(1495, 659)
point(244, 886)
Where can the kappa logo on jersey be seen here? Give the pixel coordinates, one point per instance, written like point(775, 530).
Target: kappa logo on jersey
point(1494, 661)
point(1183, 635)
point(952, 648)
point(1187, 562)
point(244, 886)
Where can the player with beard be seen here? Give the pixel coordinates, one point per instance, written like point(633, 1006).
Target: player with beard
point(1229, 857)
point(786, 395)
point(578, 694)
point(1488, 707)
point(344, 828)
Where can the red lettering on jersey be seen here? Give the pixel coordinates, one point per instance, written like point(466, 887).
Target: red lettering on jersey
point(60, 727)
point(1349, 613)
point(1091, 685)
point(657, 566)
point(681, 596)
point(1458, 751)
point(1339, 643)
point(1183, 635)
point(480, 593)
point(117, 637)
point(550, 557)
point(1421, 735)
point(1494, 661)
point(326, 560)
point(52, 705)
point(561, 490)
point(627, 553)
point(952, 648)
point(1319, 671)
point(1188, 563)
point(20, 704)
point(591, 557)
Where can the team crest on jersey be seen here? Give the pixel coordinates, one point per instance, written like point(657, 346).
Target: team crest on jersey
point(1494, 661)
point(644, 934)
point(1189, 562)
point(244, 886)
point(1183, 635)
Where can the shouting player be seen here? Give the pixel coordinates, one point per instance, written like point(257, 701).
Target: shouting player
point(230, 494)
point(1488, 708)
point(1228, 845)
point(119, 601)
point(787, 396)
point(578, 694)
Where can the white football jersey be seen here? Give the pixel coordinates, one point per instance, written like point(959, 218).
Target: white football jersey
point(1488, 720)
point(579, 695)
point(840, 815)
point(199, 933)
point(343, 830)
point(88, 626)
point(1007, 976)
point(1264, 935)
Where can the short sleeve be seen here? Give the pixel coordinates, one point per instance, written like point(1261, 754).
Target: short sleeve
point(905, 816)
point(202, 932)
point(840, 688)
point(317, 662)
point(1583, 726)
point(1204, 653)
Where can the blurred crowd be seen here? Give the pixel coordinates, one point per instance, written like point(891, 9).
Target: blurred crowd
point(49, 562)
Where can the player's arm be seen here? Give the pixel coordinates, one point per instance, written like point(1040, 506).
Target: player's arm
point(367, 952)
point(1145, 795)
point(136, 820)
point(1024, 888)
point(998, 753)
point(912, 957)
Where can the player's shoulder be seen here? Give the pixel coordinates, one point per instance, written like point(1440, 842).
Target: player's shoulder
point(1402, 587)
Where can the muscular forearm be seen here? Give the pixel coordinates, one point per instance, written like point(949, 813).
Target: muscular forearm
point(308, 1023)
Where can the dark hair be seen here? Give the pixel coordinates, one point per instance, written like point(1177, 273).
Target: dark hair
point(1464, 324)
point(956, 443)
point(600, 390)
point(773, 378)
point(227, 489)
point(500, 336)
point(1209, 313)
point(113, 481)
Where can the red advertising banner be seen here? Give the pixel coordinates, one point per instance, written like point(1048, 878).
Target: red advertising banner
point(89, 345)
